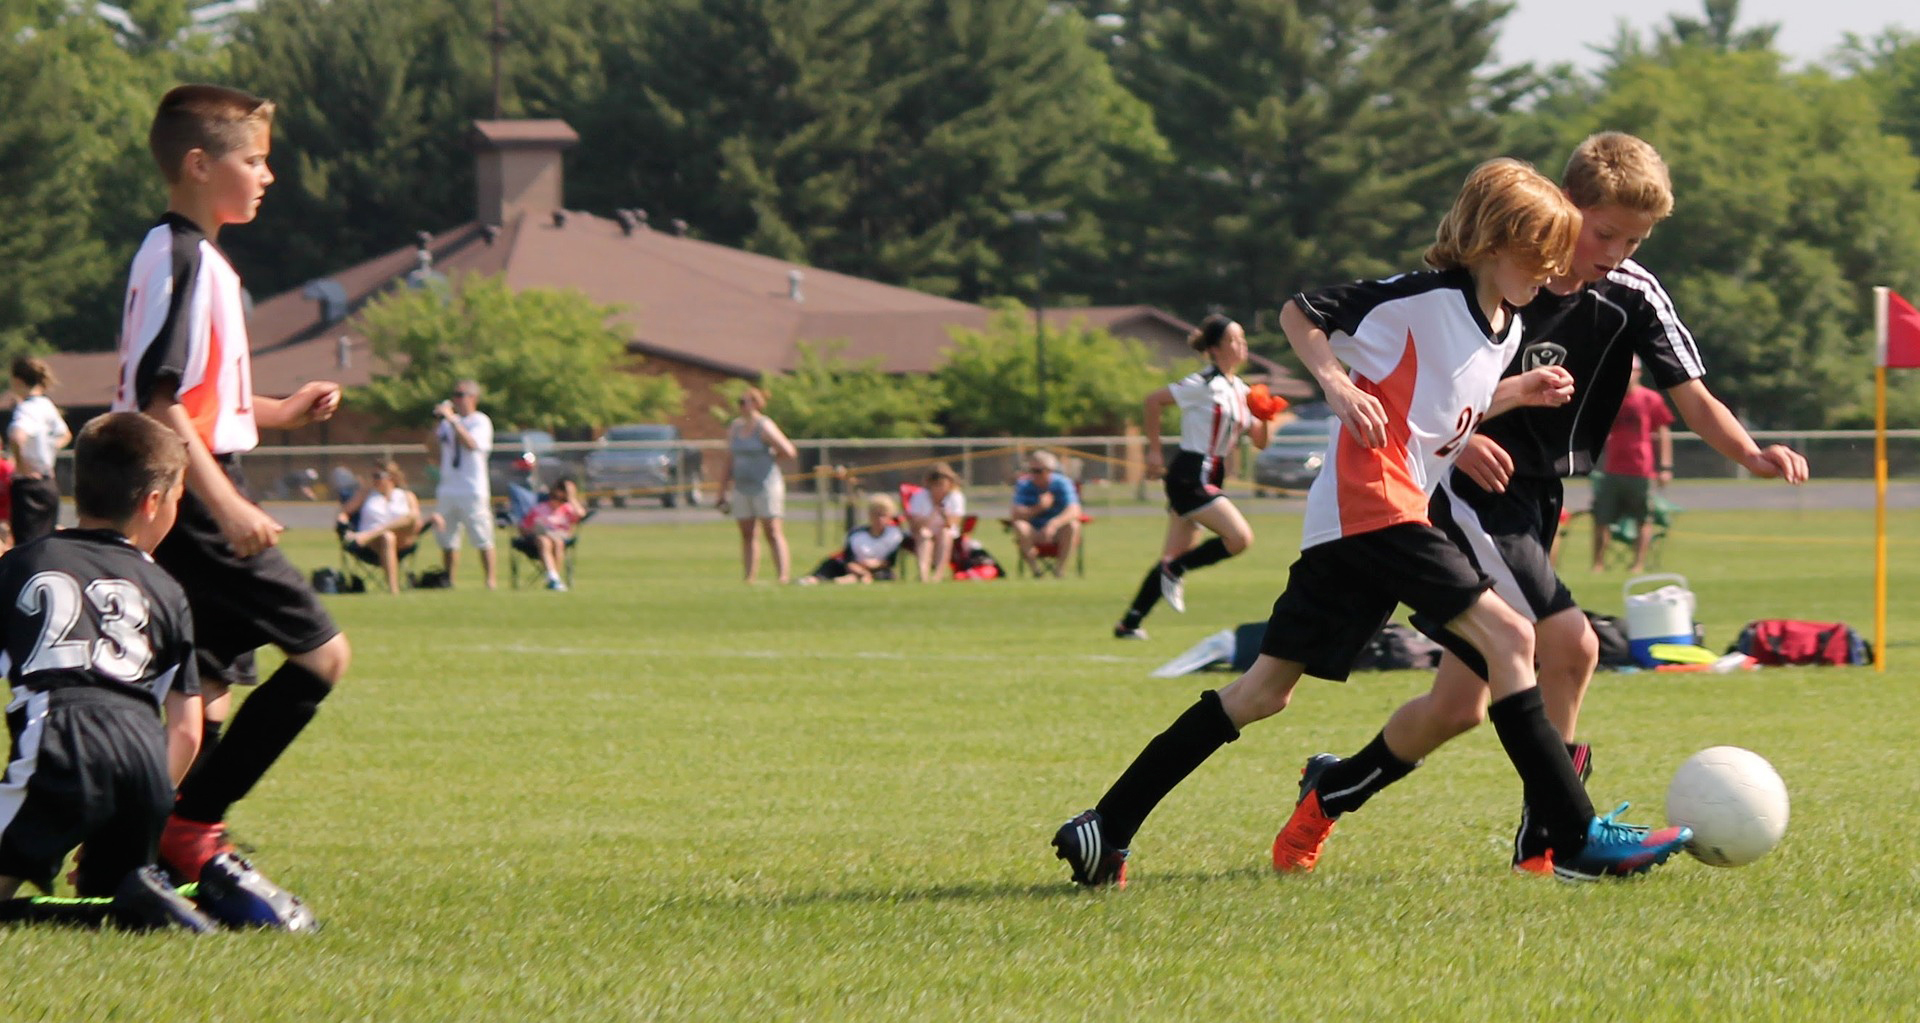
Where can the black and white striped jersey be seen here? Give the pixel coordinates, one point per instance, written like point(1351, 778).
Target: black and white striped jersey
point(86, 608)
point(1594, 333)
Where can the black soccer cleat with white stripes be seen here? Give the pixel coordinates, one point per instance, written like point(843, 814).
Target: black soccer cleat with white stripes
point(1083, 844)
point(237, 895)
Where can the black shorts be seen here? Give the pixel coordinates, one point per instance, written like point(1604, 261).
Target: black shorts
point(1191, 488)
point(1509, 536)
point(86, 765)
point(240, 604)
point(1341, 592)
point(36, 508)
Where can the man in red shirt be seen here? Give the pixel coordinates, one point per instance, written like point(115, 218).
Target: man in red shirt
point(1632, 470)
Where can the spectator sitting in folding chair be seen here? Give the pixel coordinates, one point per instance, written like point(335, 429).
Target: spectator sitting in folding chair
point(546, 531)
point(380, 524)
point(1046, 515)
point(936, 517)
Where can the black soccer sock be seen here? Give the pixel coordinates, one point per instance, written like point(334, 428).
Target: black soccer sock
point(1212, 552)
point(209, 741)
point(1163, 764)
point(263, 728)
point(1555, 799)
point(1533, 838)
point(1144, 600)
point(1347, 785)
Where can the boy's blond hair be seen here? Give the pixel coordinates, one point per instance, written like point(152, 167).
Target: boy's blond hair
point(881, 503)
point(1618, 169)
point(211, 118)
point(1507, 207)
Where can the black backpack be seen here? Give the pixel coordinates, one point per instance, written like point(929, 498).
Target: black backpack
point(1614, 649)
point(1398, 647)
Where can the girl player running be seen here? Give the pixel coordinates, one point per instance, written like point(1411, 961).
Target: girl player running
point(1214, 412)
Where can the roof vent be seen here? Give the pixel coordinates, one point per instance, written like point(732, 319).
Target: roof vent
point(679, 227)
point(627, 221)
point(639, 217)
point(343, 352)
point(423, 240)
point(794, 277)
point(423, 275)
point(559, 218)
point(489, 232)
point(331, 296)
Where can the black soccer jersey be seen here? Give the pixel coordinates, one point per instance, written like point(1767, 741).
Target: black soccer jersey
point(1594, 333)
point(87, 608)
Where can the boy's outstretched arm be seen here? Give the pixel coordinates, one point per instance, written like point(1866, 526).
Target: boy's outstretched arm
point(1707, 416)
point(1360, 412)
point(1546, 386)
point(183, 734)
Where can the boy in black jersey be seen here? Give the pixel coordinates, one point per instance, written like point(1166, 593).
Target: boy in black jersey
point(100, 646)
point(1502, 501)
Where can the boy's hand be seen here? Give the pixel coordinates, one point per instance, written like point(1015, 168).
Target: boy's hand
point(1777, 461)
point(315, 402)
point(1547, 386)
point(247, 529)
point(1156, 467)
point(1361, 413)
point(1486, 463)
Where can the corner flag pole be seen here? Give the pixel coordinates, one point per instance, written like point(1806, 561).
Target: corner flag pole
point(1880, 480)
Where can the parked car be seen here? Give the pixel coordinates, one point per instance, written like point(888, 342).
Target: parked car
point(1296, 450)
point(510, 446)
point(623, 469)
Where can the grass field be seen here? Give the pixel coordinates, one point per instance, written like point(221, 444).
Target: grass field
point(669, 796)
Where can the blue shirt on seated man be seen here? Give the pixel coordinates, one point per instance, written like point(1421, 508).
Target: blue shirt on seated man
point(1046, 512)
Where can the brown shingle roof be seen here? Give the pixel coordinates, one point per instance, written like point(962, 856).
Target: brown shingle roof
point(681, 298)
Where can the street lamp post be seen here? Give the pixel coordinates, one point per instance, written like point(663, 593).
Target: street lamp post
point(1038, 220)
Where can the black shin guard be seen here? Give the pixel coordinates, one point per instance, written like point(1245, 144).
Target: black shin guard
point(263, 728)
point(1164, 763)
point(1556, 801)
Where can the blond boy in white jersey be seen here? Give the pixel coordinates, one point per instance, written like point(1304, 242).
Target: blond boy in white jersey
point(1429, 347)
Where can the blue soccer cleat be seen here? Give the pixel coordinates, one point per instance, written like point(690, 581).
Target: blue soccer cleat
point(1618, 850)
point(237, 895)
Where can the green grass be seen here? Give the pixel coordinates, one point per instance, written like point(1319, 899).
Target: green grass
point(669, 796)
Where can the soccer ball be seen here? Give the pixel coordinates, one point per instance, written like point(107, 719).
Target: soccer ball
point(1733, 800)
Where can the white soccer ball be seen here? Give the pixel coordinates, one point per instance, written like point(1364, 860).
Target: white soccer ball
point(1733, 800)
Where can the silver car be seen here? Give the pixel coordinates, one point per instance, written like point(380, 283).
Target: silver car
point(623, 469)
point(1296, 451)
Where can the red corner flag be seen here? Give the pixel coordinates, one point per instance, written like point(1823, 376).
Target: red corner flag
point(1899, 333)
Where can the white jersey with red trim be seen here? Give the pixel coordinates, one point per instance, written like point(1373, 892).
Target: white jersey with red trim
point(1420, 344)
point(184, 334)
point(1213, 414)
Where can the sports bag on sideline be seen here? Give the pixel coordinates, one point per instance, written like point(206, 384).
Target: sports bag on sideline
point(1615, 650)
point(1398, 647)
point(1789, 641)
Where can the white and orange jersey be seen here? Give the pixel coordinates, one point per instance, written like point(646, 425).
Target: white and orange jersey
point(1213, 414)
point(1420, 344)
point(184, 330)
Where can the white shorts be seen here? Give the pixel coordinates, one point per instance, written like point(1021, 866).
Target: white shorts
point(469, 512)
point(769, 503)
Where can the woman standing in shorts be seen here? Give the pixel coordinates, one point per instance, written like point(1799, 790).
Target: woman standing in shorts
point(751, 486)
point(1213, 416)
point(36, 432)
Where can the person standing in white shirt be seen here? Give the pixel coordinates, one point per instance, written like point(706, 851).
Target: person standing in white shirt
point(37, 431)
point(461, 440)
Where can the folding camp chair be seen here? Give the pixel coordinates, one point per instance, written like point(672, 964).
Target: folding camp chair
point(361, 564)
point(910, 545)
point(521, 499)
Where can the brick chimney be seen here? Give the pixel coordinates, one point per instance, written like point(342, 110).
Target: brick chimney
point(518, 164)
